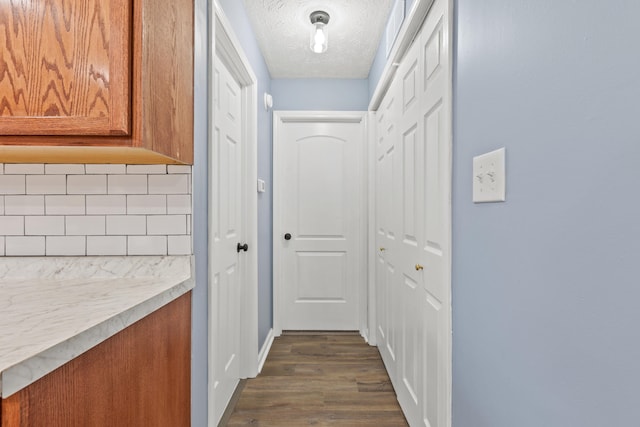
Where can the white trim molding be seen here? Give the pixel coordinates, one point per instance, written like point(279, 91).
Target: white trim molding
point(266, 348)
point(371, 228)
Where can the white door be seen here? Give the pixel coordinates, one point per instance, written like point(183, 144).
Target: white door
point(387, 197)
point(319, 222)
point(411, 162)
point(413, 225)
point(433, 246)
point(225, 269)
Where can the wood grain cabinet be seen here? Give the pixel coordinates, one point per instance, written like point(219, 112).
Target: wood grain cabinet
point(139, 377)
point(96, 81)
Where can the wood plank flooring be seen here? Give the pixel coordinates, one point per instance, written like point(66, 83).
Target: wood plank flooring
point(319, 380)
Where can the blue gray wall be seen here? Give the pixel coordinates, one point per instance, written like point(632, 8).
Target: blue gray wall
point(377, 67)
point(199, 322)
point(380, 59)
point(237, 16)
point(320, 94)
point(546, 286)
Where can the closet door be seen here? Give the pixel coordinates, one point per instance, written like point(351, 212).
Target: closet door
point(387, 197)
point(409, 211)
point(434, 238)
point(413, 225)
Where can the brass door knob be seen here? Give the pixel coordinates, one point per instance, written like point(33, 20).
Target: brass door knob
point(419, 267)
point(383, 249)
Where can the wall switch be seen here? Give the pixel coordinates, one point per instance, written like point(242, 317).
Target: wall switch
point(489, 179)
point(262, 187)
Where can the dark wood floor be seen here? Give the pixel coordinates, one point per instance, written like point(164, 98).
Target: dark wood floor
point(319, 380)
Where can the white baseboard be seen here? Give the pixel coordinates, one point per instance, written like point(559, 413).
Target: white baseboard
point(264, 351)
point(364, 333)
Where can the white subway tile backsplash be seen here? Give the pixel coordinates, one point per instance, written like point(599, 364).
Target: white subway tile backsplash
point(127, 184)
point(179, 169)
point(25, 246)
point(46, 184)
point(168, 184)
point(64, 205)
point(63, 169)
point(24, 169)
point(179, 245)
point(146, 169)
point(24, 205)
point(166, 224)
point(95, 209)
point(147, 245)
point(107, 205)
point(126, 225)
point(179, 204)
point(87, 184)
point(85, 225)
point(11, 226)
point(105, 169)
point(44, 225)
point(106, 245)
point(146, 204)
point(66, 245)
point(12, 184)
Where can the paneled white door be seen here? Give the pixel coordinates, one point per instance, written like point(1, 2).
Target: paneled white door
point(387, 198)
point(413, 225)
point(411, 164)
point(319, 220)
point(226, 198)
point(433, 246)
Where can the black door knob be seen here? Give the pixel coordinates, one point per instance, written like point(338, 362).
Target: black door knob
point(242, 247)
point(287, 236)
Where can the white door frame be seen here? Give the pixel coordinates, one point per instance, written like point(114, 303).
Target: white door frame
point(224, 43)
point(410, 28)
point(280, 117)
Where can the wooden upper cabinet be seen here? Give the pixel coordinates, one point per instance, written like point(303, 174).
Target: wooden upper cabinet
point(65, 67)
point(96, 81)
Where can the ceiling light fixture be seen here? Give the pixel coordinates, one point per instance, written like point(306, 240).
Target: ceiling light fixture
point(319, 35)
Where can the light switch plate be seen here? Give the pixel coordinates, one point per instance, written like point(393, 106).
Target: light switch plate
point(261, 186)
point(489, 179)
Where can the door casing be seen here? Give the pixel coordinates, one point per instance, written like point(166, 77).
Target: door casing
point(278, 228)
point(224, 43)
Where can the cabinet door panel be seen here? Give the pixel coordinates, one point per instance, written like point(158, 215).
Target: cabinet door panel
point(65, 67)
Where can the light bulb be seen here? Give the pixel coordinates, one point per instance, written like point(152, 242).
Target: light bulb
point(319, 37)
point(319, 34)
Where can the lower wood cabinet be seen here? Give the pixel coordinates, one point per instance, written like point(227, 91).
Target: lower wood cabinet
point(139, 377)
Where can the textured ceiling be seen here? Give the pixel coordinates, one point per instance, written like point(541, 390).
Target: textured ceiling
point(283, 31)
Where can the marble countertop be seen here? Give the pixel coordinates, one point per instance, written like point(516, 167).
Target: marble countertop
point(54, 309)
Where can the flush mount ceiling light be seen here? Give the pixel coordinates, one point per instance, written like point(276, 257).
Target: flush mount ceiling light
point(319, 35)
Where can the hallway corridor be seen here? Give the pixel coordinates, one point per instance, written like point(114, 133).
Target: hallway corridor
point(320, 380)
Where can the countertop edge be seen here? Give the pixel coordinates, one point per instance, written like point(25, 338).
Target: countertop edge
point(19, 376)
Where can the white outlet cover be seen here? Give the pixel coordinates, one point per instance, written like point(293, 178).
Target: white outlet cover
point(261, 186)
point(489, 178)
point(268, 101)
